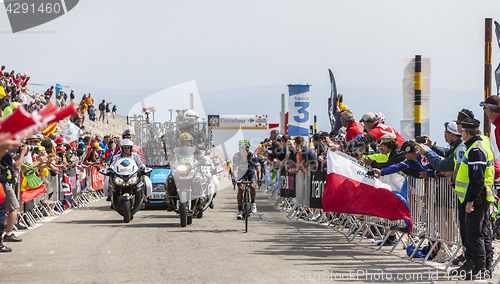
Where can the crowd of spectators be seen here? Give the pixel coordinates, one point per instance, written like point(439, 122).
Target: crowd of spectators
point(38, 156)
point(50, 155)
point(383, 149)
point(86, 107)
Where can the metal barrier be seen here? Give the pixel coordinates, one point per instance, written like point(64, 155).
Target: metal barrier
point(51, 203)
point(432, 202)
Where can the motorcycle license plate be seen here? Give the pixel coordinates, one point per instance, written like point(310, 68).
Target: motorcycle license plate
point(157, 196)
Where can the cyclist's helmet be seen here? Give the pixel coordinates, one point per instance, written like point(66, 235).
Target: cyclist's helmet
point(128, 134)
point(185, 137)
point(126, 143)
point(244, 143)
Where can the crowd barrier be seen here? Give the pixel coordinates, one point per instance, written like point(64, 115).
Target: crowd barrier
point(52, 203)
point(433, 206)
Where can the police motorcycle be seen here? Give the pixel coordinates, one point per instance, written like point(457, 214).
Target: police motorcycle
point(129, 183)
point(191, 186)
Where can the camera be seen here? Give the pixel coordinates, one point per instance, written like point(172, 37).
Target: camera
point(32, 148)
point(420, 139)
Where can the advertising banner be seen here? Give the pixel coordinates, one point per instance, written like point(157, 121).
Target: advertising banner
point(298, 110)
point(238, 121)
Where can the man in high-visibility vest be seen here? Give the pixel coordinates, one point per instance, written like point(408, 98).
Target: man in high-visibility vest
point(473, 186)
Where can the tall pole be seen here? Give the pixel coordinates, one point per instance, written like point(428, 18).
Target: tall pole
point(315, 125)
point(282, 122)
point(487, 72)
point(191, 103)
point(418, 95)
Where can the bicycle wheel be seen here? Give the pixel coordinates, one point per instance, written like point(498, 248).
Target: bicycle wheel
point(246, 208)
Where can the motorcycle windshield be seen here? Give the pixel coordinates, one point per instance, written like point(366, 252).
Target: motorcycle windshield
point(188, 177)
point(125, 166)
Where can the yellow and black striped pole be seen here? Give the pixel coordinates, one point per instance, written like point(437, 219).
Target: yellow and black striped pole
point(418, 95)
point(487, 72)
point(315, 125)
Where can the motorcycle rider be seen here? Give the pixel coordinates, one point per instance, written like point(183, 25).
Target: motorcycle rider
point(185, 140)
point(245, 165)
point(186, 124)
point(126, 152)
point(129, 134)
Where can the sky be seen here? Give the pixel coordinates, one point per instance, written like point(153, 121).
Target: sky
point(243, 54)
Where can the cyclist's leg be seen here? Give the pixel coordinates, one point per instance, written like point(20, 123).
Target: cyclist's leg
point(239, 196)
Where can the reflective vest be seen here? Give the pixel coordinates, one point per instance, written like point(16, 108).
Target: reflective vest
point(462, 181)
point(485, 139)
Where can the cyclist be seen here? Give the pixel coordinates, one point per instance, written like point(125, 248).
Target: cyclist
point(245, 165)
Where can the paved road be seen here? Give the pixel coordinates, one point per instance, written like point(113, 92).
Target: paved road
point(93, 245)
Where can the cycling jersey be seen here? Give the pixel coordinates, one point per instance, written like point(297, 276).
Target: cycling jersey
point(245, 165)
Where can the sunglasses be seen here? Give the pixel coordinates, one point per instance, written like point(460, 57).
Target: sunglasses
point(127, 147)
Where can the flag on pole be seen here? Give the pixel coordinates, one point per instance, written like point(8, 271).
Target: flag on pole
point(49, 130)
point(333, 99)
point(349, 189)
point(68, 196)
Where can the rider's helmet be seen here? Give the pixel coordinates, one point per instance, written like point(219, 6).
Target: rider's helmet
point(128, 134)
point(126, 143)
point(191, 116)
point(185, 137)
point(244, 143)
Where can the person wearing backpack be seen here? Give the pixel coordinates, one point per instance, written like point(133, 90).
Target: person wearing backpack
point(102, 108)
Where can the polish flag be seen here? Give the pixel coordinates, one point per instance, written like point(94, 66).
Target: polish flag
point(349, 189)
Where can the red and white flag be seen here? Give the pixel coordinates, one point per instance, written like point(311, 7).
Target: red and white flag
point(349, 189)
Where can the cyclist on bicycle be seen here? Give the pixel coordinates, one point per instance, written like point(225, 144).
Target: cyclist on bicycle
point(245, 165)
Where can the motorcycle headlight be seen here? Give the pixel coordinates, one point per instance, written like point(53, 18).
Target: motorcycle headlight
point(118, 181)
point(183, 168)
point(132, 180)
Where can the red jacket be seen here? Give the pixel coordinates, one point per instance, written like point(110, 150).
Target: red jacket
point(380, 129)
point(353, 130)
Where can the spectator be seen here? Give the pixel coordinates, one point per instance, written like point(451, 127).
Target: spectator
point(102, 108)
point(58, 89)
point(108, 111)
point(307, 160)
point(375, 130)
point(82, 109)
point(353, 128)
point(89, 100)
point(491, 108)
point(48, 94)
point(72, 95)
point(114, 111)
point(453, 138)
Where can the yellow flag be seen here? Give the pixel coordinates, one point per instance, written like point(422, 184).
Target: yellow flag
point(2, 92)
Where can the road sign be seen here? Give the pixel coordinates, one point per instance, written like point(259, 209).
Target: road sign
point(409, 109)
point(408, 128)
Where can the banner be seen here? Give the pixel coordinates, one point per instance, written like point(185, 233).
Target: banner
point(318, 181)
point(298, 110)
point(349, 189)
point(97, 179)
point(287, 184)
point(238, 121)
point(333, 99)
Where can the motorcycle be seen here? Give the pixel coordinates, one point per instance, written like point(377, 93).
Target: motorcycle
point(193, 187)
point(129, 185)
